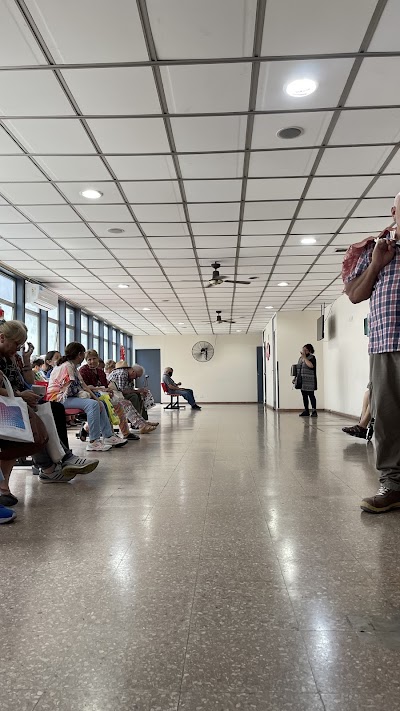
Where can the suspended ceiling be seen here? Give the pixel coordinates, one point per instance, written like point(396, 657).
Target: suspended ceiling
point(171, 108)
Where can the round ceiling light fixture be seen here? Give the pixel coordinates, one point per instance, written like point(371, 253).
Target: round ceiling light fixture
point(115, 231)
point(308, 240)
point(283, 283)
point(91, 194)
point(146, 308)
point(301, 87)
point(290, 132)
point(269, 307)
point(123, 286)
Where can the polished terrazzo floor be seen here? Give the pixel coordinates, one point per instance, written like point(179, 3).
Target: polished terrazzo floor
point(220, 563)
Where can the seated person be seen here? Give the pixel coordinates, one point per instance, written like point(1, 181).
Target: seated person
point(361, 429)
point(101, 364)
point(121, 379)
point(96, 380)
point(68, 387)
point(6, 515)
point(18, 370)
point(175, 389)
point(37, 365)
point(109, 366)
point(50, 360)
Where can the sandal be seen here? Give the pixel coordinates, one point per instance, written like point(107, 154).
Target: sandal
point(356, 431)
point(82, 433)
point(8, 499)
point(146, 429)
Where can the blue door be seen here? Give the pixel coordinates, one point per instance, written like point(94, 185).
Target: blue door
point(150, 359)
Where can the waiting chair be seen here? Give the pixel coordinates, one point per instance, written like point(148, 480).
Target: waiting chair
point(172, 405)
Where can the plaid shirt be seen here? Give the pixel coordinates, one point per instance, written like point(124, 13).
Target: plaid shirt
point(384, 316)
point(120, 378)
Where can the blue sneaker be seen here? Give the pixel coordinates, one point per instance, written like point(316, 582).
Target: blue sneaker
point(7, 515)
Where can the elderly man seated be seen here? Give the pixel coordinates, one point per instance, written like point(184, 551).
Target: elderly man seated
point(175, 389)
point(123, 379)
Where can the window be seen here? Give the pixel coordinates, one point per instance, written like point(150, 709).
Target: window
point(70, 325)
point(114, 345)
point(129, 350)
point(96, 331)
point(52, 330)
point(7, 301)
point(32, 322)
point(85, 330)
point(106, 342)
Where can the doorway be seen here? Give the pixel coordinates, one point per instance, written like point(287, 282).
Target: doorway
point(150, 359)
point(260, 374)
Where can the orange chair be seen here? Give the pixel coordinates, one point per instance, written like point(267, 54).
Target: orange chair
point(172, 405)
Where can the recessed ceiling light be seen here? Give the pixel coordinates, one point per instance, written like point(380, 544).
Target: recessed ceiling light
point(283, 283)
point(146, 308)
point(115, 231)
point(238, 330)
point(123, 286)
point(301, 87)
point(91, 194)
point(269, 307)
point(308, 240)
point(180, 323)
point(290, 132)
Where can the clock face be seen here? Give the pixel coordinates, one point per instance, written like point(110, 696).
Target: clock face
point(203, 351)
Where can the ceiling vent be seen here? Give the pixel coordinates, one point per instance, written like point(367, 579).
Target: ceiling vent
point(290, 132)
point(341, 250)
point(38, 295)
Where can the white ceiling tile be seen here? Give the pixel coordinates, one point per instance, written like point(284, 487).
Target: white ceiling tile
point(135, 254)
point(209, 133)
point(10, 214)
point(374, 207)
point(346, 187)
point(85, 243)
point(157, 191)
point(72, 191)
point(265, 227)
point(295, 239)
point(18, 46)
point(205, 87)
point(104, 33)
point(117, 90)
point(330, 74)
point(325, 208)
point(102, 213)
point(368, 126)
point(288, 28)
point(101, 229)
point(169, 213)
point(386, 36)
point(124, 135)
point(274, 188)
point(19, 168)
point(269, 210)
point(29, 245)
point(50, 213)
point(83, 254)
point(211, 190)
point(42, 255)
point(31, 193)
point(7, 144)
point(142, 167)
point(314, 126)
point(374, 82)
point(212, 165)
point(209, 241)
point(51, 135)
point(281, 163)
point(202, 28)
point(385, 186)
point(394, 165)
point(59, 230)
point(263, 240)
point(215, 228)
point(215, 211)
point(26, 93)
point(26, 231)
point(165, 228)
point(318, 226)
point(352, 160)
point(74, 167)
point(367, 224)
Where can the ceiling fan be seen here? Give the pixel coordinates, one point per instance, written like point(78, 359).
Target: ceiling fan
point(222, 320)
point(218, 279)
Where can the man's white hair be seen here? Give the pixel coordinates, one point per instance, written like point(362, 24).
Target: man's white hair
point(396, 201)
point(167, 369)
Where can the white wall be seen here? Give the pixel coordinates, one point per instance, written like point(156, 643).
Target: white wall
point(230, 376)
point(345, 356)
point(270, 365)
point(294, 329)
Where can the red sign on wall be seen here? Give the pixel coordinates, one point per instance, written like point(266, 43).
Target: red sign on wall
point(122, 352)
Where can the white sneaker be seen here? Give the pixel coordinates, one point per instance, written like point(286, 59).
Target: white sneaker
point(114, 441)
point(98, 446)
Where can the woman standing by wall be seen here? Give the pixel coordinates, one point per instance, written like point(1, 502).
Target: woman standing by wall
point(307, 379)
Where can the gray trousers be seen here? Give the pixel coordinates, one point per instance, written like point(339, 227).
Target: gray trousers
point(385, 408)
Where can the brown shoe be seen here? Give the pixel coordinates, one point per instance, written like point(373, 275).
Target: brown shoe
point(384, 500)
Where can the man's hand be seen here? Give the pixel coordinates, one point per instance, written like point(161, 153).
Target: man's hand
point(30, 398)
point(27, 352)
point(179, 383)
point(384, 252)
point(143, 391)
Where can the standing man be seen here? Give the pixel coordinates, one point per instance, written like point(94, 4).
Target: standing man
point(376, 276)
point(174, 388)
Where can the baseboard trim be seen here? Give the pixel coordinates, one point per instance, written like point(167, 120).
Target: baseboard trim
point(330, 412)
point(343, 414)
point(203, 402)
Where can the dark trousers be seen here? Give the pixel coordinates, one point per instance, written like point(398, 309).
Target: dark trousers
point(187, 393)
point(385, 408)
point(137, 403)
point(309, 394)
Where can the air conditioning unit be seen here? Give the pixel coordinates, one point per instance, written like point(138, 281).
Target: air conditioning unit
point(40, 296)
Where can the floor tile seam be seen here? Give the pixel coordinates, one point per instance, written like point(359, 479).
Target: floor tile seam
point(195, 587)
point(319, 692)
point(162, 491)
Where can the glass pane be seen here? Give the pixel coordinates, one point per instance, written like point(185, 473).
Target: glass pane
point(84, 339)
point(8, 311)
point(106, 350)
point(96, 344)
point(114, 335)
point(69, 316)
point(53, 314)
point(69, 335)
point(114, 352)
point(52, 336)
point(95, 327)
point(33, 307)
point(84, 322)
point(32, 324)
point(7, 288)
point(106, 332)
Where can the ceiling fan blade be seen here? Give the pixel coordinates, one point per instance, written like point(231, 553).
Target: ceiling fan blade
point(210, 286)
point(236, 281)
point(227, 320)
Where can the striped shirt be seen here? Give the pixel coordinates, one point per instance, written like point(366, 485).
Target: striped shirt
point(384, 315)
